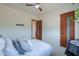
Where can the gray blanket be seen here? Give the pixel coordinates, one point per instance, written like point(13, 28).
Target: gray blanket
point(72, 50)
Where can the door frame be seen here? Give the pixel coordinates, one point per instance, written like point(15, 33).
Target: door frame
point(40, 30)
point(71, 35)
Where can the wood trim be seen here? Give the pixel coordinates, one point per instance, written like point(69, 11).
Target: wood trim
point(67, 12)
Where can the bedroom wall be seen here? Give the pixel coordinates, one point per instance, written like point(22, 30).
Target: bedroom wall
point(9, 17)
point(51, 28)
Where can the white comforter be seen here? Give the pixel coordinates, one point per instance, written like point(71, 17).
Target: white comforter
point(39, 48)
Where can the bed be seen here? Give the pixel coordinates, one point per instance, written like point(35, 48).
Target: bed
point(73, 48)
point(37, 48)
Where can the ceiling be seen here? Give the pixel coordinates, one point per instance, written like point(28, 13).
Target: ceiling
point(47, 7)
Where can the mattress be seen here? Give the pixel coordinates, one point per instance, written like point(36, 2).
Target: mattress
point(39, 48)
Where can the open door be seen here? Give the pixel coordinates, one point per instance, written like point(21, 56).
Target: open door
point(37, 29)
point(67, 28)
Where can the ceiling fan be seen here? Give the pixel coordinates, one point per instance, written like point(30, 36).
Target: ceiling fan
point(37, 5)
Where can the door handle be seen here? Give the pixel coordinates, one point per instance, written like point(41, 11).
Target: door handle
point(62, 33)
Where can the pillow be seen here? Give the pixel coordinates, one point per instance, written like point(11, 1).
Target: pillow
point(10, 50)
point(25, 45)
point(2, 46)
point(18, 47)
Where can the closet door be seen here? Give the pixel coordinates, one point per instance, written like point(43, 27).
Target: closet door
point(67, 28)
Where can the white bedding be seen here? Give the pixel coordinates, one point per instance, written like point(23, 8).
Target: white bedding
point(39, 48)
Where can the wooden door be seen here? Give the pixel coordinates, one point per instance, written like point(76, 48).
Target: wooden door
point(39, 29)
point(63, 28)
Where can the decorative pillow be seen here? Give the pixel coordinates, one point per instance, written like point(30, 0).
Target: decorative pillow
point(2, 46)
point(25, 45)
point(10, 50)
point(18, 47)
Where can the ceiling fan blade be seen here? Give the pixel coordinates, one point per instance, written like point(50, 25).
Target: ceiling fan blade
point(30, 5)
point(40, 9)
point(37, 3)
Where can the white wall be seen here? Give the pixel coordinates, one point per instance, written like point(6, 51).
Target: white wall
point(51, 28)
point(9, 17)
point(76, 30)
